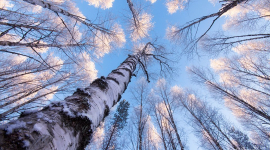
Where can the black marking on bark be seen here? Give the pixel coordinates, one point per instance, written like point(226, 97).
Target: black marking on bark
point(119, 97)
point(118, 72)
point(129, 63)
point(26, 113)
point(13, 142)
point(106, 111)
point(132, 62)
point(130, 73)
point(101, 83)
point(81, 125)
point(81, 92)
point(110, 78)
point(114, 102)
point(81, 102)
point(125, 86)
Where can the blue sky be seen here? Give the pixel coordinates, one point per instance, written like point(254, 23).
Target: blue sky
point(161, 19)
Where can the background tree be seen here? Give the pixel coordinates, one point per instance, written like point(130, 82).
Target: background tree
point(164, 110)
point(214, 130)
point(140, 117)
point(241, 139)
point(118, 122)
point(242, 101)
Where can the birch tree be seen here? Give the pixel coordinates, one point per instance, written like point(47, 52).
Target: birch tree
point(164, 112)
point(246, 106)
point(138, 126)
point(214, 130)
point(78, 114)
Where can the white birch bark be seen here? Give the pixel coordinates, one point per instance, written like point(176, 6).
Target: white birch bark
point(69, 124)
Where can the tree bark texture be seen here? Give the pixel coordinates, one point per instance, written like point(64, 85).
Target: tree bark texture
point(69, 124)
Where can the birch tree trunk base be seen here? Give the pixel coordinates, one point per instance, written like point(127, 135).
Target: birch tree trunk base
point(50, 128)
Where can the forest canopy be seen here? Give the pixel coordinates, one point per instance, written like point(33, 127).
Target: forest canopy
point(195, 72)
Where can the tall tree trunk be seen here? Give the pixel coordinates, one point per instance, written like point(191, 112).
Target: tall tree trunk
point(69, 124)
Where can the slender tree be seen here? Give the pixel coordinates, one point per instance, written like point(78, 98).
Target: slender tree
point(118, 122)
point(241, 139)
point(246, 106)
point(215, 131)
point(164, 112)
point(140, 118)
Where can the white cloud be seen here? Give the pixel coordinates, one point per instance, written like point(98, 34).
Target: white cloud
point(161, 82)
point(152, 1)
point(218, 64)
point(48, 90)
point(176, 90)
point(142, 81)
point(10, 38)
point(104, 4)
point(174, 5)
point(213, 1)
point(36, 9)
point(16, 59)
point(41, 49)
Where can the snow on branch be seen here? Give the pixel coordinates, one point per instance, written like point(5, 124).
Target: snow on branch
point(105, 42)
point(140, 24)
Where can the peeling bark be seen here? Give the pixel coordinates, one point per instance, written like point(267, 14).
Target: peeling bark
point(68, 124)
